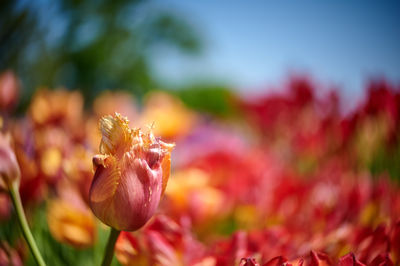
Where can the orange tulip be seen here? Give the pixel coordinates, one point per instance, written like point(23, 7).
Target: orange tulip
point(71, 224)
point(131, 174)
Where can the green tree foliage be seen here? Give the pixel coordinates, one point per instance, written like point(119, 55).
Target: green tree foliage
point(89, 45)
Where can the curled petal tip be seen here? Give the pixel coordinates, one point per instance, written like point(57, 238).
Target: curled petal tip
point(99, 159)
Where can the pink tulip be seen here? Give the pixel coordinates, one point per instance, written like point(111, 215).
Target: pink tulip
point(131, 175)
point(9, 168)
point(9, 90)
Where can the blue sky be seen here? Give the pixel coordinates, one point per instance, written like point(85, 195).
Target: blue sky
point(253, 44)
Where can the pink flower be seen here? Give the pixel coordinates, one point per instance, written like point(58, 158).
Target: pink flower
point(131, 174)
point(9, 168)
point(9, 90)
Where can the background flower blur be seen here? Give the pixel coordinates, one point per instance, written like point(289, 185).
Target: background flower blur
point(285, 117)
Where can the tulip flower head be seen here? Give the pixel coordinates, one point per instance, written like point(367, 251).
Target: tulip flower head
point(131, 173)
point(9, 168)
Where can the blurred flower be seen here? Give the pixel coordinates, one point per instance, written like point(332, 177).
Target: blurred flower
point(33, 184)
point(293, 175)
point(371, 245)
point(70, 220)
point(9, 168)
point(180, 237)
point(206, 139)
point(5, 206)
point(189, 193)
point(78, 169)
point(162, 242)
point(131, 174)
point(382, 259)
point(9, 256)
point(71, 225)
point(248, 262)
point(55, 106)
point(51, 161)
point(171, 117)
point(349, 260)
point(115, 102)
point(58, 108)
point(395, 241)
point(232, 250)
point(128, 250)
point(279, 260)
point(370, 136)
point(93, 135)
point(9, 90)
point(319, 259)
point(161, 252)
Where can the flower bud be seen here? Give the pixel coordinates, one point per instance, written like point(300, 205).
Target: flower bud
point(9, 168)
point(131, 174)
point(9, 90)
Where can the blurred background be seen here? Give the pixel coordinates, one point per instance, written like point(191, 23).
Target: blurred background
point(142, 45)
point(285, 116)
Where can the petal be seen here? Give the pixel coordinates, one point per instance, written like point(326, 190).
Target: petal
point(104, 186)
point(166, 164)
point(161, 252)
point(138, 194)
point(106, 180)
point(116, 134)
point(349, 260)
point(166, 170)
point(248, 262)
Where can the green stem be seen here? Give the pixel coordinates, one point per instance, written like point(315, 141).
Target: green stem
point(16, 199)
point(109, 252)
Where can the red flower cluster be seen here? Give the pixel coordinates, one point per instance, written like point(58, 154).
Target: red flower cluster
point(292, 180)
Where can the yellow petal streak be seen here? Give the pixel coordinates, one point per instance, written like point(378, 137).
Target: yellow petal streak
point(166, 165)
point(108, 182)
point(116, 135)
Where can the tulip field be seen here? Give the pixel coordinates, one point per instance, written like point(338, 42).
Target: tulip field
point(283, 177)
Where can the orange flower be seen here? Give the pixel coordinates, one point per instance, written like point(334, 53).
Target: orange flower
point(131, 174)
point(173, 118)
point(58, 108)
point(71, 224)
point(190, 192)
